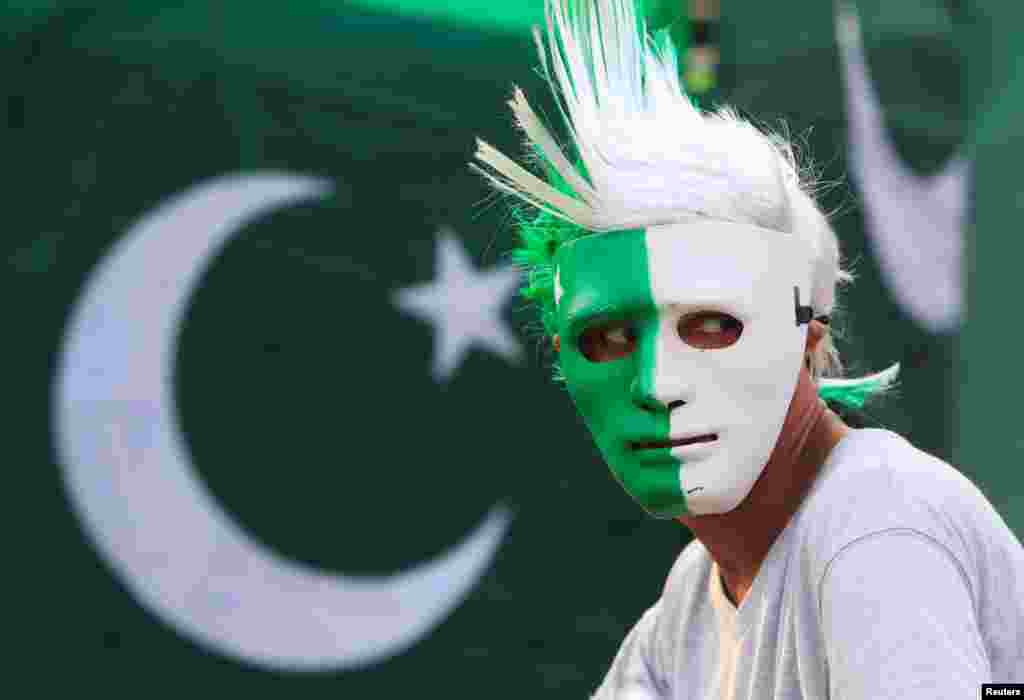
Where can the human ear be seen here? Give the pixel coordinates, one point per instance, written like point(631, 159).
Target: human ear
point(557, 342)
point(815, 332)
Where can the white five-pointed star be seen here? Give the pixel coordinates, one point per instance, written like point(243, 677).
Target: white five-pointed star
point(464, 306)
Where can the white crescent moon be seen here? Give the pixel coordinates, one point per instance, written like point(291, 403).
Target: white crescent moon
point(915, 224)
point(129, 474)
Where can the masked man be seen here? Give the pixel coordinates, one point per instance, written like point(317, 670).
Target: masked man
point(687, 280)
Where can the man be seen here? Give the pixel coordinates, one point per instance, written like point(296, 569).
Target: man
point(688, 282)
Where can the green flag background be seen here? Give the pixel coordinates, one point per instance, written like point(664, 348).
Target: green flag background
point(987, 405)
point(308, 398)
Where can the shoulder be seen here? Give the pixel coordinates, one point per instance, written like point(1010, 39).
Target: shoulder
point(684, 596)
point(652, 647)
point(876, 478)
point(875, 464)
point(875, 482)
point(689, 572)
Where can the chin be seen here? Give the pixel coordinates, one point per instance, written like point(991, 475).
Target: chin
point(721, 486)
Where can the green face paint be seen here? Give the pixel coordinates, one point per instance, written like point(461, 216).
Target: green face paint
point(605, 278)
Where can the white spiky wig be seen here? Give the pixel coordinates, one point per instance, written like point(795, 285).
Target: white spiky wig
point(645, 155)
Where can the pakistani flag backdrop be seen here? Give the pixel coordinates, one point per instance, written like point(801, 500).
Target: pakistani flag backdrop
point(280, 424)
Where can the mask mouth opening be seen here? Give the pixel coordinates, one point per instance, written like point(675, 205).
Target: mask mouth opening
point(679, 442)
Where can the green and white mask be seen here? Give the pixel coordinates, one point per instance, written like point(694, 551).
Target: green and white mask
point(679, 330)
point(684, 332)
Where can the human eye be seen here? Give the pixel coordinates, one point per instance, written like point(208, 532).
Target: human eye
point(605, 342)
point(709, 330)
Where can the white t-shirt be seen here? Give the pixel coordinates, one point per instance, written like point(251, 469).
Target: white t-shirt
point(895, 579)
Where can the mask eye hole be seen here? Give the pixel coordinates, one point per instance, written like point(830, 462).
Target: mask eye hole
point(608, 341)
point(710, 330)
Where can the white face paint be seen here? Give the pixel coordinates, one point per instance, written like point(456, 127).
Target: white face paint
point(741, 392)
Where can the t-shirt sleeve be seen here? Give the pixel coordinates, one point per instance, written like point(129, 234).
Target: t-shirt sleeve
point(898, 621)
point(635, 673)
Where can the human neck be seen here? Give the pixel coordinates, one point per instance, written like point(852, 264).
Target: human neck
point(738, 541)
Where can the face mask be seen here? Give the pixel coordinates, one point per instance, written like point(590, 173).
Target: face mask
point(681, 346)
